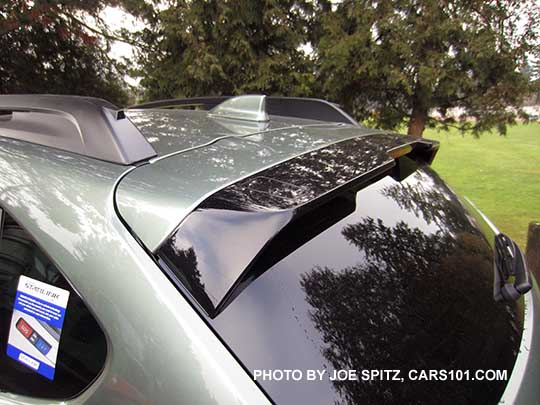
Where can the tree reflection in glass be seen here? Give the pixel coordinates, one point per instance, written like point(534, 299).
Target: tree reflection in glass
point(418, 301)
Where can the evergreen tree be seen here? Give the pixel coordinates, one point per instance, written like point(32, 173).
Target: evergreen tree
point(225, 48)
point(47, 47)
point(393, 62)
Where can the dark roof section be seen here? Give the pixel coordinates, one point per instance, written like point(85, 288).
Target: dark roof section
point(309, 108)
point(88, 126)
point(207, 103)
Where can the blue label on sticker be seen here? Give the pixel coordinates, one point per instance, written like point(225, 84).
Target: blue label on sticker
point(42, 346)
point(40, 367)
point(40, 309)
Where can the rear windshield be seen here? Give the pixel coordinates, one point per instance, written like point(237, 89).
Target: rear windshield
point(403, 283)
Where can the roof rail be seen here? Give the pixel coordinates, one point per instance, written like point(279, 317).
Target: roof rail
point(206, 102)
point(308, 108)
point(297, 107)
point(85, 125)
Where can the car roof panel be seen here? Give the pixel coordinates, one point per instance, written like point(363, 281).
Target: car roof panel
point(153, 199)
point(173, 130)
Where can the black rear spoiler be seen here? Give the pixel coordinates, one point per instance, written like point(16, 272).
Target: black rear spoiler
point(240, 231)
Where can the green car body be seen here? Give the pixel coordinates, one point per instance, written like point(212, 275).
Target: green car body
point(98, 221)
point(73, 219)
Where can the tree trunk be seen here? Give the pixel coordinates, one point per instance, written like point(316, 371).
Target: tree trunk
point(417, 122)
point(533, 249)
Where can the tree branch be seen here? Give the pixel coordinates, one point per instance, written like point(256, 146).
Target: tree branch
point(104, 34)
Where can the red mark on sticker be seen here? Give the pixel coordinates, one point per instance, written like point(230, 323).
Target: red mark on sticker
point(24, 328)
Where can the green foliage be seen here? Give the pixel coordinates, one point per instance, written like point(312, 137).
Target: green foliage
point(226, 47)
point(389, 63)
point(48, 48)
point(393, 62)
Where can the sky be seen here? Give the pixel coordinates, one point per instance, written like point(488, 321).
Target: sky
point(117, 19)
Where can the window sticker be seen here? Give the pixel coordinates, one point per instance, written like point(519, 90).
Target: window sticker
point(36, 325)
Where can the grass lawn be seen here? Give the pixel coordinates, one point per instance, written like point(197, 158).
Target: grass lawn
point(501, 175)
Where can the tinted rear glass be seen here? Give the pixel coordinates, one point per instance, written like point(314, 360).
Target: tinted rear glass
point(403, 283)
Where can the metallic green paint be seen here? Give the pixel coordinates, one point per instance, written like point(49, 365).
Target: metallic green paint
point(523, 387)
point(153, 199)
point(65, 202)
point(170, 131)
